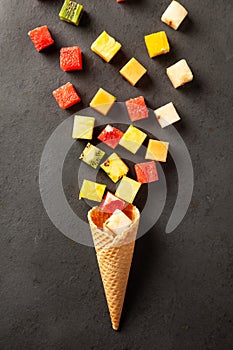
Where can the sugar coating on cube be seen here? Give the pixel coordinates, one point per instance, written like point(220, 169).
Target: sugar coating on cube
point(71, 12)
point(133, 71)
point(132, 139)
point(92, 190)
point(157, 150)
point(92, 155)
point(110, 203)
point(70, 58)
point(110, 136)
point(105, 46)
point(114, 167)
point(83, 127)
point(157, 44)
point(166, 115)
point(179, 73)
point(117, 222)
point(137, 108)
point(66, 96)
point(41, 38)
point(146, 172)
point(174, 15)
point(127, 189)
point(103, 101)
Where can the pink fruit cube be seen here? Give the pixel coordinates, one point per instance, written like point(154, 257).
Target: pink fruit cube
point(41, 37)
point(66, 96)
point(137, 108)
point(146, 172)
point(111, 136)
point(110, 203)
point(71, 58)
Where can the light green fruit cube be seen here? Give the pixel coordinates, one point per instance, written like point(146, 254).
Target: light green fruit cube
point(92, 155)
point(114, 167)
point(92, 191)
point(83, 127)
point(71, 12)
point(127, 189)
point(132, 139)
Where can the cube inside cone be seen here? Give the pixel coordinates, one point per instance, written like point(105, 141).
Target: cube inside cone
point(114, 253)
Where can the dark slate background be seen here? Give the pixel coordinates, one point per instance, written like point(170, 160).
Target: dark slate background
point(179, 295)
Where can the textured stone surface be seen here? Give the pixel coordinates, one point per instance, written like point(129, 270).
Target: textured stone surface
point(180, 290)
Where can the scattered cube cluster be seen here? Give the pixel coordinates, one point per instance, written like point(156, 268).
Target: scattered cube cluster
point(106, 47)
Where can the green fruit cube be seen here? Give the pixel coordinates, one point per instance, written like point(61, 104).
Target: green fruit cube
point(71, 12)
point(92, 155)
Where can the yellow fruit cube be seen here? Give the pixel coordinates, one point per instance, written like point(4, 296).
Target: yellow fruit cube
point(157, 44)
point(133, 71)
point(174, 15)
point(114, 167)
point(105, 46)
point(103, 101)
point(157, 150)
point(127, 189)
point(83, 127)
point(179, 73)
point(92, 191)
point(132, 139)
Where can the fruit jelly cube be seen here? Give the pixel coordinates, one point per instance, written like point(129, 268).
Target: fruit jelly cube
point(179, 73)
point(166, 115)
point(174, 15)
point(71, 12)
point(92, 190)
point(114, 167)
point(92, 155)
point(103, 101)
point(127, 189)
point(41, 37)
point(146, 172)
point(105, 46)
point(157, 44)
point(133, 139)
point(70, 58)
point(117, 222)
point(83, 127)
point(157, 150)
point(111, 136)
point(110, 203)
point(66, 96)
point(133, 71)
point(137, 108)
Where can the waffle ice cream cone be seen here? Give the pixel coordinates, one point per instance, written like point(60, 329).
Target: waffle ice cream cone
point(114, 255)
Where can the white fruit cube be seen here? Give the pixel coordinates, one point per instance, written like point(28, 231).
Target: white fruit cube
point(174, 15)
point(117, 222)
point(179, 73)
point(167, 115)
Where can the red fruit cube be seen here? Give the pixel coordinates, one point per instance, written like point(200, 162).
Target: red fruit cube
point(71, 58)
point(137, 108)
point(41, 37)
point(110, 203)
point(146, 172)
point(111, 136)
point(66, 96)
